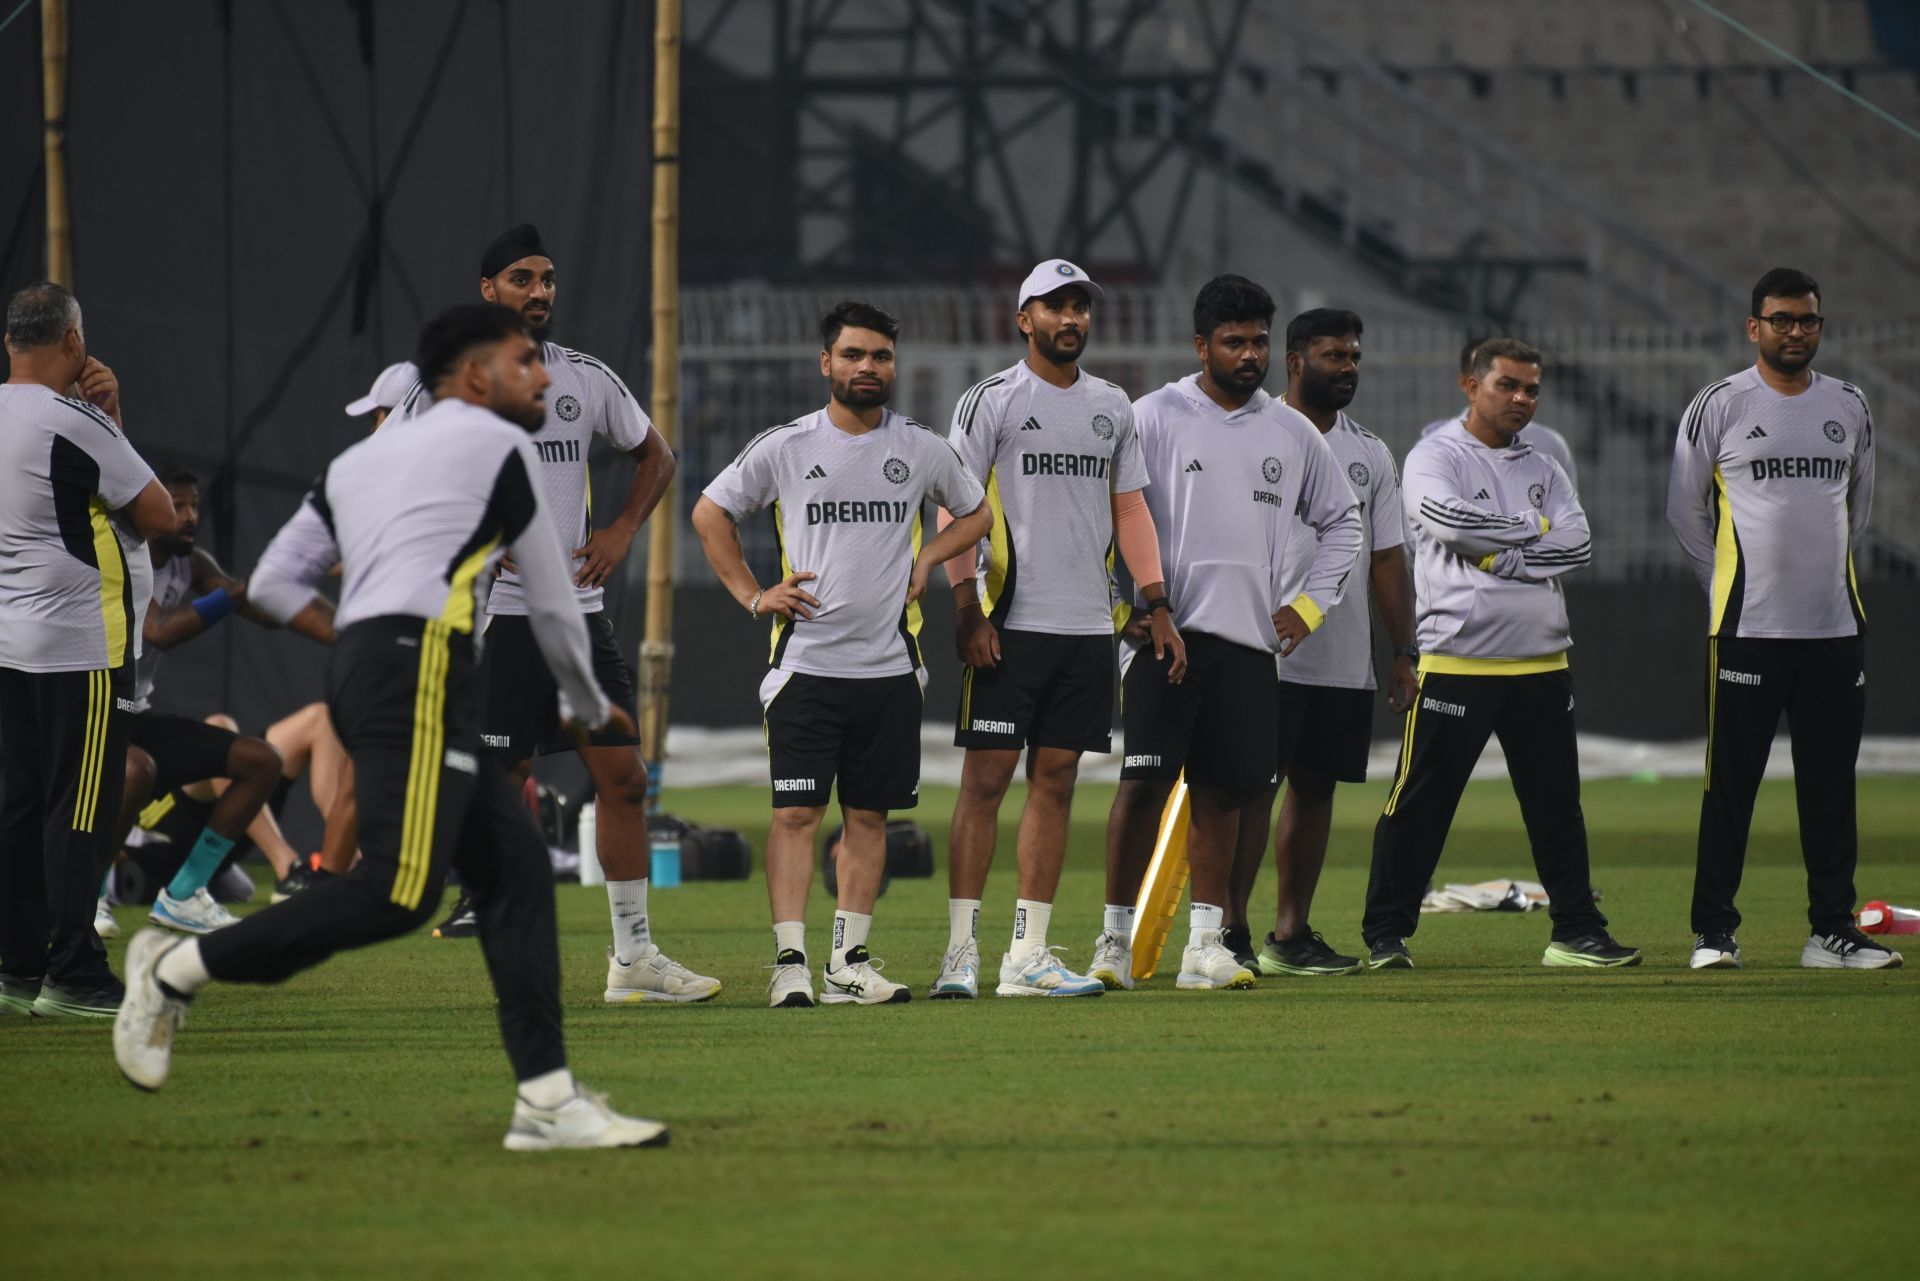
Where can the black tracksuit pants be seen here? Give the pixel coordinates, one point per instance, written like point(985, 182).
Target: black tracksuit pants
point(1441, 742)
point(1821, 685)
point(63, 765)
point(404, 695)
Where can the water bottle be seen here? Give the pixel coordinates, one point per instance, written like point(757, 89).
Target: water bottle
point(590, 873)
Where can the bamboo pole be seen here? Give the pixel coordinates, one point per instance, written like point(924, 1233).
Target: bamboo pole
point(656, 652)
point(53, 80)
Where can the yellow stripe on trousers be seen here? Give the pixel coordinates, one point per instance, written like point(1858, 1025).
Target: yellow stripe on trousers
point(1713, 702)
point(423, 770)
point(93, 751)
point(1406, 744)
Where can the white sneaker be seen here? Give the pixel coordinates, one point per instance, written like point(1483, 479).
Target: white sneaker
point(1112, 964)
point(144, 1028)
point(655, 977)
point(1040, 973)
point(1716, 951)
point(103, 923)
point(195, 914)
point(583, 1121)
point(1207, 964)
point(1847, 950)
point(959, 974)
point(858, 982)
point(792, 986)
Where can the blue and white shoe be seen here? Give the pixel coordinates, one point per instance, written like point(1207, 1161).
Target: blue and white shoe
point(103, 923)
point(959, 974)
point(195, 914)
point(1039, 973)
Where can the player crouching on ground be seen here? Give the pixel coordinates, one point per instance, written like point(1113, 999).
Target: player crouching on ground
point(843, 698)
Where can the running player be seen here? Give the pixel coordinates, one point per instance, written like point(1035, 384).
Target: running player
point(420, 519)
point(1771, 488)
point(1231, 467)
point(1056, 450)
point(518, 722)
point(1326, 689)
point(846, 484)
point(1539, 435)
point(1494, 524)
point(68, 631)
point(191, 595)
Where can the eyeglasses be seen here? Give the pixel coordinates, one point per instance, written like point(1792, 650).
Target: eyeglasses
point(1784, 322)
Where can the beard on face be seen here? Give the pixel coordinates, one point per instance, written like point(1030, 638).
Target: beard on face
point(530, 415)
point(1785, 363)
point(1048, 345)
point(1326, 393)
point(864, 397)
point(1245, 379)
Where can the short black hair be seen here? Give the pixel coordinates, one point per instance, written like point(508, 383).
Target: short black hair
point(181, 476)
point(1783, 282)
point(1321, 322)
point(1225, 300)
point(456, 331)
point(40, 314)
point(1466, 354)
point(850, 314)
point(1485, 353)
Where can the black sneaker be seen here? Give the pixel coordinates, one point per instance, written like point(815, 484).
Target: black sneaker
point(1847, 949)
point(1389, 954)
point(1238, 939)
point(1597, 950)
point(461, 923)
point(1305, 953)
point(17, 995)
point(1715, 950)
point(93, 997)
point(297, 878)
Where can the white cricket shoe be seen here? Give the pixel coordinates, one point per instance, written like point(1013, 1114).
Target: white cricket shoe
point(103, 923)
point(583, 1121)
point(144, 1028)
point(791, 987)
point(1847, 950)
point(1112, 964)
point(655, 977)
point(858, 982)
point(195, 914)
point(959, 974)
point(1039, 973)
point(1716, 950)
point(1208, 965)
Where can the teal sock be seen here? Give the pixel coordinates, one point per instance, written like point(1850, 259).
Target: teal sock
point(209, 852)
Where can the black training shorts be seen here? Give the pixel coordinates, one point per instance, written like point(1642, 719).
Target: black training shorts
point(1046, 691)
point(1217, 724)
point(863, 731)
point(520, 708)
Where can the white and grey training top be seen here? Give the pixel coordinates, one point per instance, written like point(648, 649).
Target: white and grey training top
point(1051, 459)
point(418, 520)
point(172, 584)
point(1226, 488)
point(587, 399)
point(1539, 435)
point(1341, 654)
point(70, 582)
point(1486, 576)
point(1769, 497)
point(847, 509)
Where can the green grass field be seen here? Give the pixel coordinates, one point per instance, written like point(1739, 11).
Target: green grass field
point(1477, 1117)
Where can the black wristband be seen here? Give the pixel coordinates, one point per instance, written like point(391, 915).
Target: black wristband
point(1406, 651)
point(1160, 602)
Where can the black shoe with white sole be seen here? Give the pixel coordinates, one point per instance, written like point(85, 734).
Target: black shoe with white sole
point(1715, 950)
point(1847, 949)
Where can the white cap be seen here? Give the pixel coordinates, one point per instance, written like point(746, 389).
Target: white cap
point(387, 390)
point(1055, 273)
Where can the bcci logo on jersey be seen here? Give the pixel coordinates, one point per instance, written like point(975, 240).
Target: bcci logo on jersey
point(567, 408)
point(896, 471)
point(1103, 426)
point(1835, 432)
point(1359, 475)
point(1271, 470)
point(1537, 495)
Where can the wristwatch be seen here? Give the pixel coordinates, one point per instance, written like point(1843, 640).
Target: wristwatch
point(1406, 651)
point(1160, 602)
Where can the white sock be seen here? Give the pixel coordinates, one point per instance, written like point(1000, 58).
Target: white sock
point(1204, 918)
point(632, 936)
point(963, 921)
point(789, 936)
point(182, 969)
point(1119, 920)
point(548, 1090)
point(1030, 921)
point(849, 931)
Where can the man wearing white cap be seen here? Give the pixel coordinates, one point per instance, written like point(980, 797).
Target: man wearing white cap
point(1056, 451)
point(388, 390)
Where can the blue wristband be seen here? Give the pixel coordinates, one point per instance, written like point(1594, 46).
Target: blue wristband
point(213, 607)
